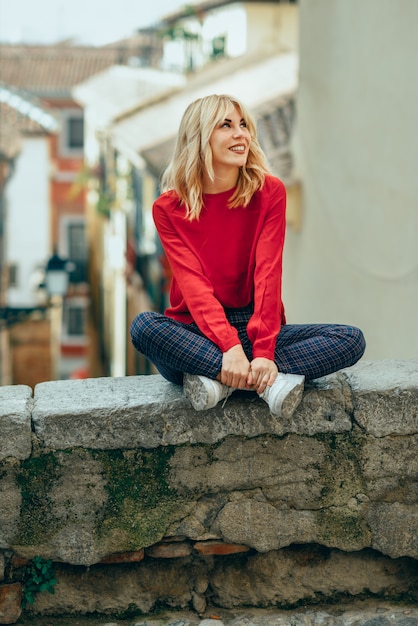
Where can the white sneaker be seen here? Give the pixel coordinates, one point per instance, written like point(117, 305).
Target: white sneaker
point(285, 394)
point(204, 393)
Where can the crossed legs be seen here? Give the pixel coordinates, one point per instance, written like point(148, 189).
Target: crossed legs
point(311, 350)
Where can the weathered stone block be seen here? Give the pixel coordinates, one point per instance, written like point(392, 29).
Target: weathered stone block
point(15, 421)
point(148, 411)
point(290, 576)
point(385, 396)
point(389, 466)
point(394, 528)
point(103, 413)
point(289, 469)
point(265, 527)
point(10, 504)
point(112, 589)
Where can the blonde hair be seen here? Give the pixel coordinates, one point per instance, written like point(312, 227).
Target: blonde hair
point(193, 155)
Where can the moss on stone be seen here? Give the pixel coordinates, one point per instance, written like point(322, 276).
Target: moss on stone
point(342, 478)
point(139, 474)
point(141, 503)
point(35, 477)
point(341, 472)
point(343, 528)
point(3, 471)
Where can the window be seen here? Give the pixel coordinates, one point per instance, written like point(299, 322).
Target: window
point(75, 132)
point(73, 246)
point(72, 133)
point(77, 251)
point(75, 321)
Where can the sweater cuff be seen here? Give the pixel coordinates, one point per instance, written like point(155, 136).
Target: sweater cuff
point(263, 354)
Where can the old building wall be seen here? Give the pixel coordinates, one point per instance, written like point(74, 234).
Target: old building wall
point(355, 259)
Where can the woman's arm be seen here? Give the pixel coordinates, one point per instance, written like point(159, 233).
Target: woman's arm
point(265, 323)
point(195, 287)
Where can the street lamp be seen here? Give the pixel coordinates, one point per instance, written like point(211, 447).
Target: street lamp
point(56, 279)
point(57, 276)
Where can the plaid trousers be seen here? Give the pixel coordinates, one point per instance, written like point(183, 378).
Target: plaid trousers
point(313, 350)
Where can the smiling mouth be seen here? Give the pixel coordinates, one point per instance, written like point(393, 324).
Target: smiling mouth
point(238, 149)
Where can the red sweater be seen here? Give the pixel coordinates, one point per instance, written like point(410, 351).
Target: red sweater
point(228, 258)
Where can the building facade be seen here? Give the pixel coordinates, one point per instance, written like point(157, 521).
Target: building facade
point(43, 198)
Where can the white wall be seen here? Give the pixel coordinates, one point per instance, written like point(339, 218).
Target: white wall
point(27, 223)
point(356, 258)
point(271, 27)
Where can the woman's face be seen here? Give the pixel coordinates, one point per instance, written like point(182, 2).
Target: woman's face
point(230, 141)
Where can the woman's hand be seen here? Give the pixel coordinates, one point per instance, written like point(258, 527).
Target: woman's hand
point(235, 368)
point(263, 372)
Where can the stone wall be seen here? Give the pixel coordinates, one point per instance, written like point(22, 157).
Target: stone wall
point(143, 503)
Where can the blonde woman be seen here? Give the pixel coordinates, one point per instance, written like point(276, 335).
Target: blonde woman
point(221, 221)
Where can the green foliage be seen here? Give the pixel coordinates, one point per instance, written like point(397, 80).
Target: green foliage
point(39, 576)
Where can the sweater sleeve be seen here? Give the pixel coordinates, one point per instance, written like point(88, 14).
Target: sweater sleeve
point(265, 323)
point(195, 288)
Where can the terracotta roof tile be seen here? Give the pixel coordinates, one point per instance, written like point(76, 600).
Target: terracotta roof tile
point(52, 71)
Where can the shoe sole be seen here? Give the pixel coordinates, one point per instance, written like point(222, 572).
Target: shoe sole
point(292, 400)
point(193, 387)
point(288, 398)
point(196, 392)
